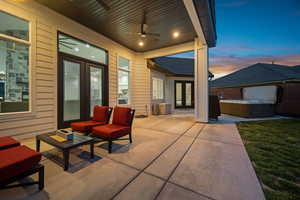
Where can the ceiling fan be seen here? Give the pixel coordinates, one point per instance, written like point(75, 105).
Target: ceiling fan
point(103, 4)
point(143, 33)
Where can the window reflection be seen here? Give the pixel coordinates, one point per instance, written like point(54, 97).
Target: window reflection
point(157, 88)
point(81, 49)
point(123, 80)
point(123, 87)
point(96, 88)
point(14, 79)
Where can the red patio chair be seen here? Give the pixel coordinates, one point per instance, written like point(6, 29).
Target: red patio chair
point(101, 117)
point(120, 126)
point(7, 142)
point(17, 163)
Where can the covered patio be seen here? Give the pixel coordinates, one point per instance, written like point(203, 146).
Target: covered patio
point(78, 54)
point(172, 157)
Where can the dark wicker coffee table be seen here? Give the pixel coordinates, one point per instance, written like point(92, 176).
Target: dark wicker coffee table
point(65, 147)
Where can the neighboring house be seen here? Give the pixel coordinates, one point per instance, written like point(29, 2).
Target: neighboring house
point(58, 59)
point(263, 82)
point(173, 81)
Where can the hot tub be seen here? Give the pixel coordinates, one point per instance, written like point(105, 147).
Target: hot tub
point(248, 108)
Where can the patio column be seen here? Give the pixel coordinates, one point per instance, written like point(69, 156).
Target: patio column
point(201, 82)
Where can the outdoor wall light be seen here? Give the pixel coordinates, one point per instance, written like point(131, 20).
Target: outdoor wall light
point(176, 34)
point(141, 43)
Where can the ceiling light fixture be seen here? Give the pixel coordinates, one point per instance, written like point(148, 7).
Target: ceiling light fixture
point(176, 34)
point(141, 43)
point(76, 49)
point(87, 46)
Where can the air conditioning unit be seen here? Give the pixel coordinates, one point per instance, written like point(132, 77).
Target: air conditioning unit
point(155, 109)
point(164, 108)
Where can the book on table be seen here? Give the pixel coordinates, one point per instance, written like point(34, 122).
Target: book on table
point(58, 138)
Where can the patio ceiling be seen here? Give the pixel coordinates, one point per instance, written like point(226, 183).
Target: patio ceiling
point(121, 20)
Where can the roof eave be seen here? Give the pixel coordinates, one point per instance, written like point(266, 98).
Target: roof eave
point(206, 13)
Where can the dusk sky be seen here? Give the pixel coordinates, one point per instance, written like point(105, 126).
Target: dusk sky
point(251, 31)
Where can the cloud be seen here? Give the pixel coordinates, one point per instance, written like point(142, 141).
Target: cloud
point(234, 48)
point(252, 48)
point(235, 3)
point(223, 65)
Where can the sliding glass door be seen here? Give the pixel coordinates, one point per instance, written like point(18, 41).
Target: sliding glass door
point(184, 94)
point(81, 87)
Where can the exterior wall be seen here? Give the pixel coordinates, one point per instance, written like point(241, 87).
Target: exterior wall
point(45, 24)
point(289, 100)
point(141, 86)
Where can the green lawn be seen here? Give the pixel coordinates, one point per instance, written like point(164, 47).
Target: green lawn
point(274, 149)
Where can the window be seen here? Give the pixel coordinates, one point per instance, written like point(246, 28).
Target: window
point(157, 88)
point(14, 64)
point(123, 80)
point(81, 49)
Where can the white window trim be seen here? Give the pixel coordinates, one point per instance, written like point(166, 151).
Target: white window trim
point(12, 10)
point(129, 80)
point(163, 88)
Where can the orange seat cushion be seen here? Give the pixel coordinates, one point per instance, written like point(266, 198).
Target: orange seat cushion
point(122, 116)
point(110, 131)
point(7, 142)
point(16, 160)
point(85, 126)
point(101, 114)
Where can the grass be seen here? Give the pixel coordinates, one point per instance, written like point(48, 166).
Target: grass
point(274, 149)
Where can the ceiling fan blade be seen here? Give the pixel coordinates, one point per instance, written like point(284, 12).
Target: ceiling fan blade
point(154, 39)
point(144, 17)
point(103, 4)
point(153, 34)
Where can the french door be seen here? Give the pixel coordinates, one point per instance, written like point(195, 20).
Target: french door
point(82, 84)
point(184, 94)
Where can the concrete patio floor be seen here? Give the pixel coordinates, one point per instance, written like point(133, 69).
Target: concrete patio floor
point(171, 157)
